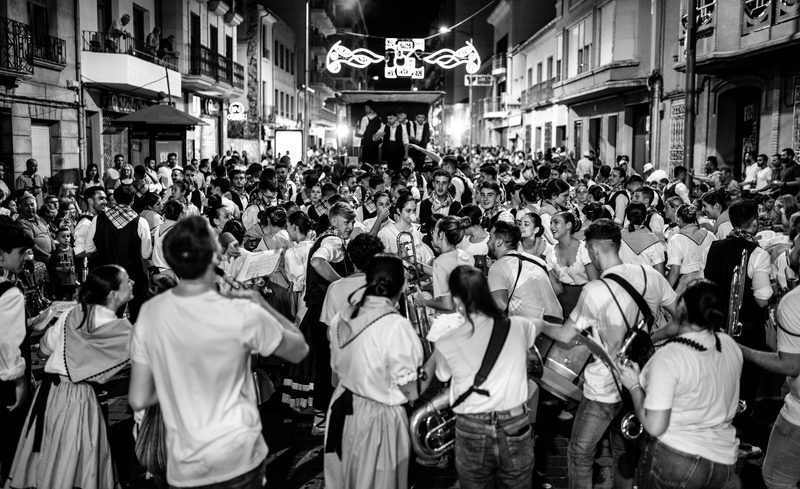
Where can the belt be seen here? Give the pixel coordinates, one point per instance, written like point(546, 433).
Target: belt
point(493, 416)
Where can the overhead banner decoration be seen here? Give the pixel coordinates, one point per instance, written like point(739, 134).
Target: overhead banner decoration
point(360, 58)
point(402, 57)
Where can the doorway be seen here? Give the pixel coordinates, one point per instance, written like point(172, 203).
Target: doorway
point(640, 136)
point(738, 113)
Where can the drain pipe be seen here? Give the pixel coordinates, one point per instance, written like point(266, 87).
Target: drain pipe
point(81, 102)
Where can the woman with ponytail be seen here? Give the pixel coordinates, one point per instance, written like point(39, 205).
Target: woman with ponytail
point(65, 443)
point(639, 245)
point(448, 232)
point(493, 440)
point(376, 354)
point(686, 398)
point(687, 249)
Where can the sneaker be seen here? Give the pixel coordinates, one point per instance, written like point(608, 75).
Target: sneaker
point(748, 451)
point(318, 428)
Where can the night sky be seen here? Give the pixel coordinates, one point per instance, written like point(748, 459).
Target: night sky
point(397, 18)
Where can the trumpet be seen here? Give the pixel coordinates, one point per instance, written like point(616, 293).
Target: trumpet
point(734, 326)
point(417, 314)
point(237, 285)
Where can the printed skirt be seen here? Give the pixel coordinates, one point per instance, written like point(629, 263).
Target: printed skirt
point(74, 449)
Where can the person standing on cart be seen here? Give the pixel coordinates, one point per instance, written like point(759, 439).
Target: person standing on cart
point(367, 128)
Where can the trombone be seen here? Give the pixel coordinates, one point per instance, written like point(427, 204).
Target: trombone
point(417, 314)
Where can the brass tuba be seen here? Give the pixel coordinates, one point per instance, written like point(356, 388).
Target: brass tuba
point(734, 326)
point(638, 348)
point(432, 428)
point(417, 314)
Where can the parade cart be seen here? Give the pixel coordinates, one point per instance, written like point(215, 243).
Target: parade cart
point(414, 102)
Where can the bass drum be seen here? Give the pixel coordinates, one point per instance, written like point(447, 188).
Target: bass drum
point(561, 368)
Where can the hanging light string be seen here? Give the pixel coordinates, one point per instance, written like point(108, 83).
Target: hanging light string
point(437, 34)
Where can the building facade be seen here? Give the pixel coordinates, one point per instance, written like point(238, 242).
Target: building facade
point(39, 96)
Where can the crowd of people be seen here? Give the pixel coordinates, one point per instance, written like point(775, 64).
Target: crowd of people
point(512, 247)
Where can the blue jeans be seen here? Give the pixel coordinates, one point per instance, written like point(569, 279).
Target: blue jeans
point(592, 420)
point(249, 480)
point(664, 467)
point(494, 447)
point(782, 464)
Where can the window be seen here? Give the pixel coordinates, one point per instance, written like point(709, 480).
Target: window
point(40, 147)
point(550, 68)
point(283, 105)
point(530, 77)
point(291, 107)
point(539, 73)
point(213, 36)
point(559, 55)
point(40, 25)
point(580, 48)
point(606, 50)
point(275, 101)
point(275, 53)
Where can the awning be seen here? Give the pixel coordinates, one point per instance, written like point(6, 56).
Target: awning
point(381, 96)
point(159, 115)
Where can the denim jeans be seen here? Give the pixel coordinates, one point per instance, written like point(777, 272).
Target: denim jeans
point(249, 480)
point(782, 464)
point(664, 467)
point(592, 420)
point(494, 447)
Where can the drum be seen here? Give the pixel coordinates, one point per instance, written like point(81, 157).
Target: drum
point(562, 367)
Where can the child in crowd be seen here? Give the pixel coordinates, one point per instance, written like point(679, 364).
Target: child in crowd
point(61, 267)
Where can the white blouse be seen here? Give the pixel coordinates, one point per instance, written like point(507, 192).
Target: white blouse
point(295, 262)
point(480, 248)
point(382, 357)
point(685, 253)
point(53, 340)
point(574, 274)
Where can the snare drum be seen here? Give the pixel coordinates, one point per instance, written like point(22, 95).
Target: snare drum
point(562, 368)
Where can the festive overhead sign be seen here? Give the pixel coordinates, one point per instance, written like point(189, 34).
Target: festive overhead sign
point(403, 58)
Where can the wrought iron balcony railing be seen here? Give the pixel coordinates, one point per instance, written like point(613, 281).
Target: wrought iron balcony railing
point(101, 42)
point(205, 62)
point(49, 49)
point(15, 43)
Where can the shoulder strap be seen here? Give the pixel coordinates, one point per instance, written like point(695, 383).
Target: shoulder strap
point(496, 341)
point(519, 273)
point(644, 308)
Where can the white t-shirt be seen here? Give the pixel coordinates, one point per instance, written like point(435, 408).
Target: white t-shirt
point(337, 294)
point(443, 265)
point(788, 316)
point(533, 296)
point(198, 349)
point(460, 354)
point(596, 309)
point(702, 390)
point(764, 178)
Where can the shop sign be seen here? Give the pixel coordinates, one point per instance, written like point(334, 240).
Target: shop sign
point(124, 103)
point(210, 106)
point(236, 112)
point(158, 134)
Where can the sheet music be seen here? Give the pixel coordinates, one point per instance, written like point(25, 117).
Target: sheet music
point(258, 264)
point(51, 314)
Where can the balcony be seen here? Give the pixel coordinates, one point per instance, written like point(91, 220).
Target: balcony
point(319, 44)
point(323, 116)
point(48, 51)
point(607, 80)
point(322, 16)
point(15, 50)
point(323, 83)
point(116, 63)
point(498, 107)
point(499, 64)
point(212, 74)
point(537, 96)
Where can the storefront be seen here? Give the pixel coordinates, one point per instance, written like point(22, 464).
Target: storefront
point(205, 141)
point(108, 139)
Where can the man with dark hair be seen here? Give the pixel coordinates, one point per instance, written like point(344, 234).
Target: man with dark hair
point(36, 227)
point(238, 194)
point(286, 187)
point(111, 175)
point(420, 135)
point(95, 198)
point(618, 199)
point(790, 175)
point(654, 221)
point(339, 295)
point(151, 177)
point(368, 127)
point(15, 350)
point(491, 205)
point(439, 201)
point(30, 181)
point(265, 196)
point(723, 256)
point(190, 353)
point(119, 236)
point(461, 186)
point(221, 187)
point(367, 209)
point(394, 142)
point(607, 309)
point(679, 185)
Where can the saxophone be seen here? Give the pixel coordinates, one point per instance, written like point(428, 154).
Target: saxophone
point(734, 326)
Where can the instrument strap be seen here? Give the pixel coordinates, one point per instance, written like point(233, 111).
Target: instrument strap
point(496, 341)
point(644, 308)
point(519, 272)
point(5, 286)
